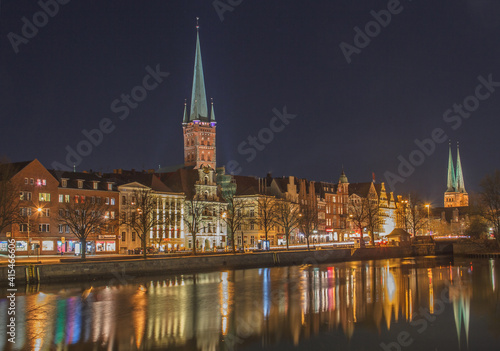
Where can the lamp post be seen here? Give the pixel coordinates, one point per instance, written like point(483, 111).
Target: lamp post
point(28, 214)
point(428, 217)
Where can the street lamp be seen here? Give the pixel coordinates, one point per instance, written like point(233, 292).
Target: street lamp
point(28, 214)
point(428, 217)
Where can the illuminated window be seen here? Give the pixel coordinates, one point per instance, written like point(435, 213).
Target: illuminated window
point(66, 198)
point(61, 198)
point(96, 185)
point(64, 183)
point(44, 197)
point(44, 182)
point(80, 184)
point(112, 201)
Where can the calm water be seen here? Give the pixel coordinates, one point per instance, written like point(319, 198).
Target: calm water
point(408, 304)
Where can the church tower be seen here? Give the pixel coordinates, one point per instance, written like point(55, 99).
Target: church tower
point(455, 195)
point(197, 125)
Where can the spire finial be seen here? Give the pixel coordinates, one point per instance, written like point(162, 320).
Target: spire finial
point(197, 23)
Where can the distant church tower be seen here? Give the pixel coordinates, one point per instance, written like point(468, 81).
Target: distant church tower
point(198, 127)
point(455, 195)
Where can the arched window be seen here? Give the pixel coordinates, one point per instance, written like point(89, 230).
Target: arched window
point(206, 180)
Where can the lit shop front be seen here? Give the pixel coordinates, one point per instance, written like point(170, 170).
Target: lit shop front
point(106, 244)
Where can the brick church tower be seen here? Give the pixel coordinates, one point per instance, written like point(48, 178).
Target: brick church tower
point(198, 126)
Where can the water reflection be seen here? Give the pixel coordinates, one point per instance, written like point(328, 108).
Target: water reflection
point(355, 305)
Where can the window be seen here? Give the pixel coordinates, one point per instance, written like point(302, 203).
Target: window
point(124, 200)
point(25, 180)
point(110, 186)
point(92, 199)
point(77, 199)
point(61, 198)
point(66, 198)
point(47, 212)
point(44, 197)
point(124, 236)
point(107, 201)
point(252, 213)
point(112, 214)
point(252, 226)
point(23, 227)
point(98, 200)
point(133, 236)
point(44, 182)
point(61, 228)
point(32, 181)
point(64, 183)
point(112, 201)
point(47, 245)
point(95, 185)
point(80, 184)
point(67, 229)
point(38, 182)
point(25, 195)
point(44, 228)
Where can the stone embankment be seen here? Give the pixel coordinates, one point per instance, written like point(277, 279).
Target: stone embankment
point(114, 269)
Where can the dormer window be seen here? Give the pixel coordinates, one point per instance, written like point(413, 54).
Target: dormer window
point(64, 183)
point(110, 186)
point(80, 184)
point(95, 185)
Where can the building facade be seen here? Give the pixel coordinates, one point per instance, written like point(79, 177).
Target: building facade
point(455, 194)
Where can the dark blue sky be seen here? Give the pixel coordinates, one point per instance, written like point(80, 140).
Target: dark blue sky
point(263, 55)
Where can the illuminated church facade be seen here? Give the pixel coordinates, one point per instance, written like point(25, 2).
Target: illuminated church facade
point(455, 194)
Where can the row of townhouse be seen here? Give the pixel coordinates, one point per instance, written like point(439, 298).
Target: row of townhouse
point(44, 193)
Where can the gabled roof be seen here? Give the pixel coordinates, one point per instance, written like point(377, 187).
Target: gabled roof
point(247, 185)
point(14, 167)
point(360, 189)
point(151, 180)
point(181, 181)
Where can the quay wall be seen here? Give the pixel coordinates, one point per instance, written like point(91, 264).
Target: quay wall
point(115, 269)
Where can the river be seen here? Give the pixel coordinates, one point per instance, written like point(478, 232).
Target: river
point(430, 303)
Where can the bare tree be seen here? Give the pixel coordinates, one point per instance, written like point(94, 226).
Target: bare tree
point(308, 219)
point(416, 213)
point(490, 196)
point(374, 218)
point(194, 209)
point(235, 217)
point(358, 213)
point(84, 218)
point(143, 218)
point(266, 213)
point(287, 217)
point(9, 198)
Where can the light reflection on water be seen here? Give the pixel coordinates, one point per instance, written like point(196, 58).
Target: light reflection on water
point(354, 305)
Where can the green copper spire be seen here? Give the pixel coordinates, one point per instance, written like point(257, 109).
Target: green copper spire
point(212, 113)
point(185, 119)
point(451, 184)
point(199, 110)
point(460, 177)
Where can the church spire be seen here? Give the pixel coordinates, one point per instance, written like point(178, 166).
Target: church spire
point(185, 117)
point(199, 108)
point(451, 184)
point(212, 113)
point(460, 177)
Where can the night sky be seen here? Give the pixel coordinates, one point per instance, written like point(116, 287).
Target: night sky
point(262, 56)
